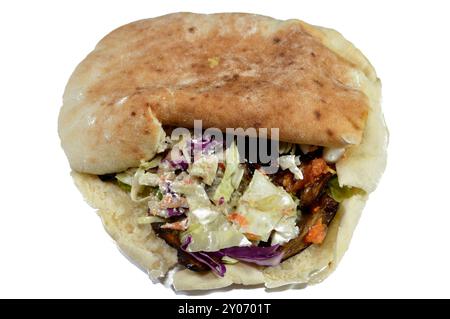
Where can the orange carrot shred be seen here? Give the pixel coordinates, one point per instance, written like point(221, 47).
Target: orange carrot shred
point(316, 234)
point(238, 218)
point(252, 236)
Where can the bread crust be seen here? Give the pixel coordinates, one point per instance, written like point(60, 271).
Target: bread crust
point(230, 70)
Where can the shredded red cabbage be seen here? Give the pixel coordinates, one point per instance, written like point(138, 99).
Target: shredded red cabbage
point(263, 256)
point(179, 164)
point(204, 145)
point(178, 211)
point(165, 189)
point(186, 243)
point(206, 258)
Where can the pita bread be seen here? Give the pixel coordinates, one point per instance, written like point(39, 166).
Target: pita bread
point(361, 167)
point(230, 70)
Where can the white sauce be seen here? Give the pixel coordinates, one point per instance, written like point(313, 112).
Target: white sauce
point(332, 155)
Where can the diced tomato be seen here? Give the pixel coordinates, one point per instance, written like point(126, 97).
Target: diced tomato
point(317, 167)
point(311, 172)
point(316, 233)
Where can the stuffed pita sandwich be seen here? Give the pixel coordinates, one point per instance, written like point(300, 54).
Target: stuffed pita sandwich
point(199, 204)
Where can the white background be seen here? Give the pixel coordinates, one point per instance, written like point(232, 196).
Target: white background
point(53, 245)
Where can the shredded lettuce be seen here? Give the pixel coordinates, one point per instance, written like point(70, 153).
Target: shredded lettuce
point(126, 177)
point(263, 205)
point(135, 180)
point(195, 193)
point(145, 220)
point(232, 176)
point(210, 231)
point(123, 186)
point(205, 167)
point(148, 179)
point(214, 240)
point(291, 162)
point(229, 260)
point(131, 178)
point(339, 193)
point(150, 164)
point(137, 188)
point(285, 230)
point(208, 228)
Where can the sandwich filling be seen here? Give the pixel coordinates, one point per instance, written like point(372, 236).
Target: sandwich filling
point(216, 207)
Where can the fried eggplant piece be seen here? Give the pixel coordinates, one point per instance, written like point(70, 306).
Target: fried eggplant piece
point(172, 238)
point(188, 261)
point(313, 226)
point(312, 191)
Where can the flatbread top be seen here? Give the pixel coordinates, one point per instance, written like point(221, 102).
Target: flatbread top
point(229, 70)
